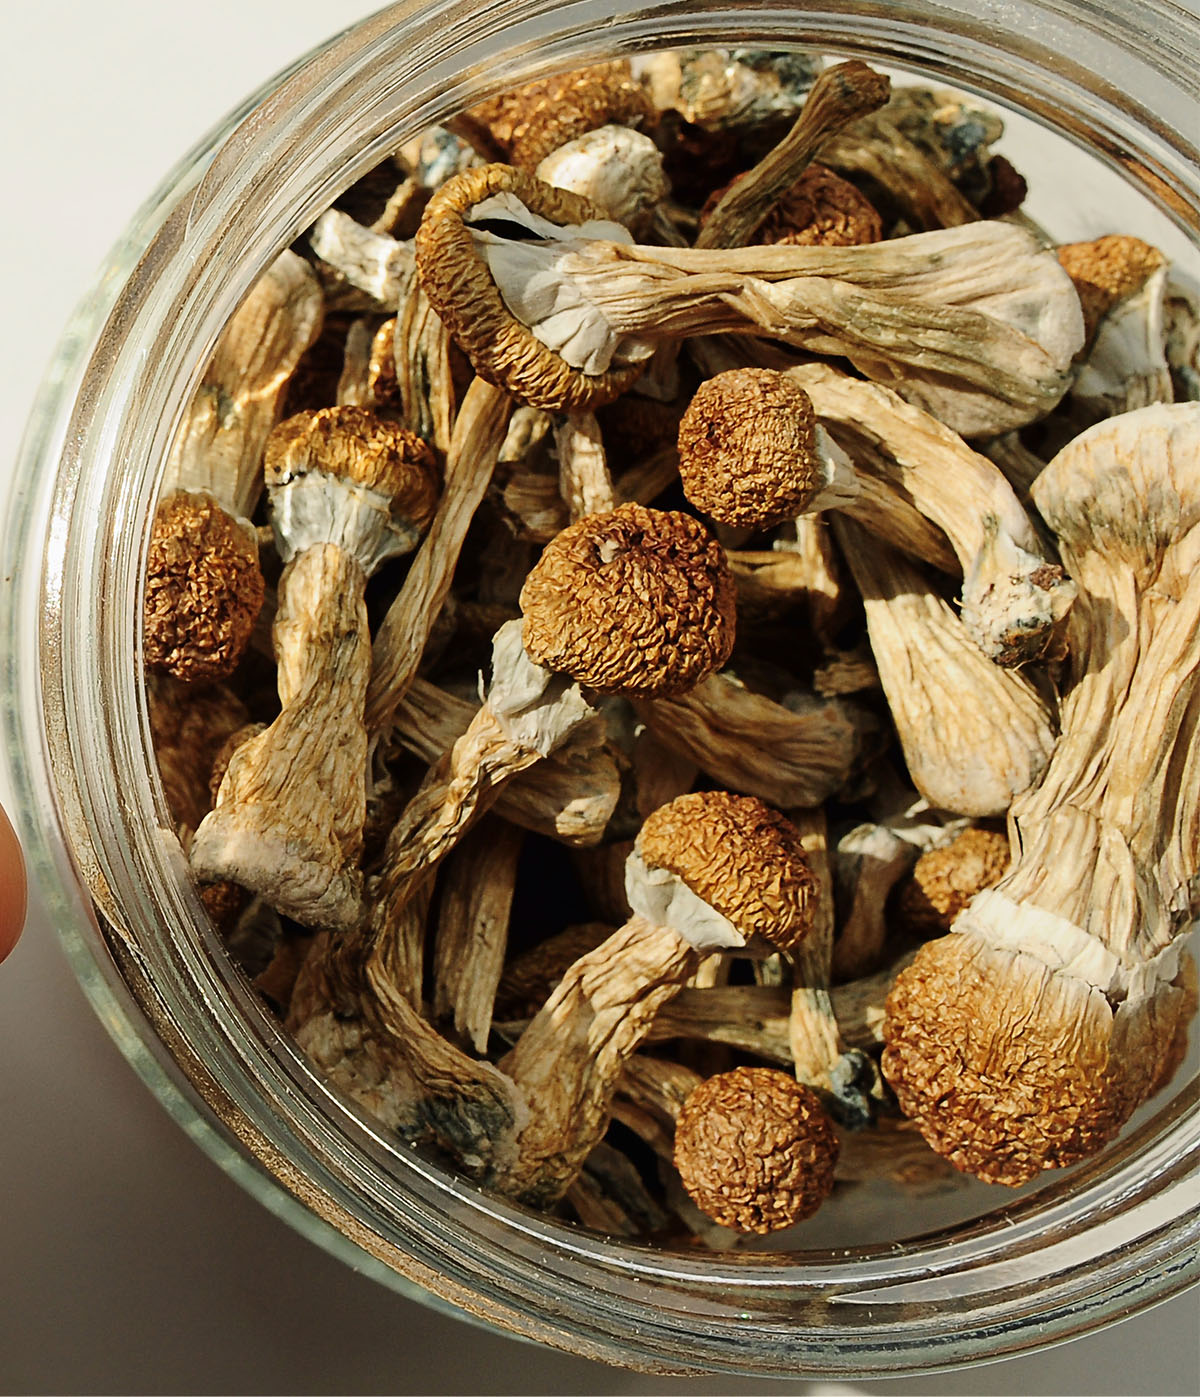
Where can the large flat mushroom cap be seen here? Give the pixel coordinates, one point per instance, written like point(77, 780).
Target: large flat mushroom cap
point(755, 1149)
point(636, 601)
point(502, 349)
point(744, 859)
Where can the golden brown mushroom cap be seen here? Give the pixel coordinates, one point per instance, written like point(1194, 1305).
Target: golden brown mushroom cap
point(204, 589)
point(531, 121)
point(748, 449)
point(636, 601)
point(944, 880)
point(755, 1149)
point(358, 444)
point(502, 349)
point(1107, 270)
point(820, 210)
point(741, 857)
point(1008, 1068)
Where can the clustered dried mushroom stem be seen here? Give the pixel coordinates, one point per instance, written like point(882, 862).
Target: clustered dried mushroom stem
point(1024, 1039)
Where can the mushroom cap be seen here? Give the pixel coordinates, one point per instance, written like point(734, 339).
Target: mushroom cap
point(502, 349)
point(1009, 1068)
point(635, 601)
point(944, 880)
point(204, 589)
point(755, 1149)
point(748, 448)
point(1107, 270)
point(821, 209)
point(744, 859)
point(360, 445)
point(531, 121)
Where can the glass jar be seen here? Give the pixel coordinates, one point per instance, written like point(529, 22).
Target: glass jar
point(990, 1280)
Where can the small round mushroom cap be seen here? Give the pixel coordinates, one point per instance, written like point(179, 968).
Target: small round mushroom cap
point(821, 209)
point(1107, 270)
point(360, 445)
point(744, 859)
point(636, 601)
point(204, 589)
point(461, 289)
point(748, 448)
point(531, 121)
point(943, 881)
point(755, 1149)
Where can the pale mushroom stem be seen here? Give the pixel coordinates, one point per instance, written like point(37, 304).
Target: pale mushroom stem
point(289, 814)
point(837, 97)
point(973, 735)
point(400, 642)
point(584, 481)
point(570, 1058)
point(1056, 991)
point(1014, 596)
point(219, 448)
point(421, 352)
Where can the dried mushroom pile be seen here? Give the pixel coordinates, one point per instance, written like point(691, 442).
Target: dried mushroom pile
point(673, 632)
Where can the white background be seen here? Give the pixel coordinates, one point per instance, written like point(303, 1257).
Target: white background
point(128, 1262)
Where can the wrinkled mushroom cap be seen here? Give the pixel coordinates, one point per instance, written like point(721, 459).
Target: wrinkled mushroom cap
point(1107, 270)
point(460, 287)
point(741, 857)
point(1008, 1068)
point(748, 449)
point(204, 589)
point(755, 1149)
point(535, 119)
point(357, 444)
point(944, 880)
point(821, 209)
point(636, 601)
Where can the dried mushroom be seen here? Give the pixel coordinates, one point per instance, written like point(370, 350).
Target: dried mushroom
point(944, 880)
point(707, 870)
point(1025, 1039)
point(977, 323)
point(348, 490)
point(755, 1149)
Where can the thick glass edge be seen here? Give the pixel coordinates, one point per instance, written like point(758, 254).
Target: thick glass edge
point(56, 865)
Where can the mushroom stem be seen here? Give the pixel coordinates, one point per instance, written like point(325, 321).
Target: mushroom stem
point(974, 735)
point(421, 363)
point(838, 96)
point(289, 814)
point(1025, 1039)
point(219, 448)
point(400, 641)
point(373, 263)
point(570, 1058)
point(583, 478)
point(1013, 596)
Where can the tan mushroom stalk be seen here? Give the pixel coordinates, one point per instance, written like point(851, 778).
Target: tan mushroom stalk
point(636, 601)
point(979, 323)
point(1025, 1039)
point(708, 871)
point(583, 477)
point(380, 267)
point(820, 207)
point(1014, 597)
point(752, 454)
point(837, 97)
point(755, 1149)
point(974, 735)
point(347, 491)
